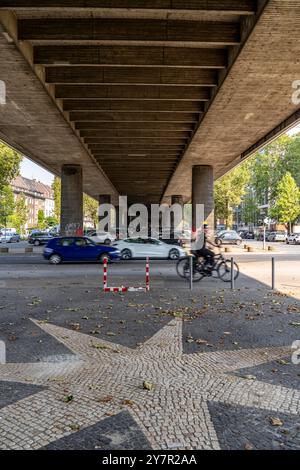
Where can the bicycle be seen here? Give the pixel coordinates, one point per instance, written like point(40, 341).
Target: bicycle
point(220, 270)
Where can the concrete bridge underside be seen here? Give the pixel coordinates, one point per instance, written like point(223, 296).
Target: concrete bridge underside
point(140, 92)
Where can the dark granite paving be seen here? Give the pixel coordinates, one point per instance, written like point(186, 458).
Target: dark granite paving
point(282, 372)
point(240, 428)
point(220, 319)
point(225, 320)
point(119, 432)
point(11, 392)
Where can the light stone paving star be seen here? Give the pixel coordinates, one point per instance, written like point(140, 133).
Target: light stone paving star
point(106, 378)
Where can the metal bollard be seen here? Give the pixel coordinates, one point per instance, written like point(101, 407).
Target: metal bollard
point(273, 273)
point(191, 272)
point(232, 274)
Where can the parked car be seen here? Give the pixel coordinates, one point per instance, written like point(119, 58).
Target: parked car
point(7, 234)
point(260, 236)
point(279, 236)
point(242, 233)
point(293, 239)
point(78, 249)
point(13, 238)
point(249, 235)
point(228, 237)
point(39, 238)
point(101, 237)
point(152, 247)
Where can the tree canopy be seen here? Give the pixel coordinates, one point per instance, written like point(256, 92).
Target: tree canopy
point(286, 208)
point(229, 191)
point(9, 165)
point(271, 177)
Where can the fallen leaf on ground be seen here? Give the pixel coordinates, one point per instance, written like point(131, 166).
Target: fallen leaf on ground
point(12, 338)
point(74, 427)
point(106, 399)
point(201, 341)
point(275, 421)
point(249, 446)
point(128, 402)
point(68, 398)
point(99, 346)
point(148, 385)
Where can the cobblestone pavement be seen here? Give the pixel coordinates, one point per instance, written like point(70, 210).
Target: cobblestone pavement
point(172, 397)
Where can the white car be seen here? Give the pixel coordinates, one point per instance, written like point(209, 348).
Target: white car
point(279, 236)
point(101, 237)
point(293, 239)
point(152, 247)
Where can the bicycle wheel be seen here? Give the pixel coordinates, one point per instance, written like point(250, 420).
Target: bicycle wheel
point(224, 270)
point(182, 267)
point(183, 270)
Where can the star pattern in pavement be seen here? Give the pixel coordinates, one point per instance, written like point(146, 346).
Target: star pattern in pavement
point(103, 378)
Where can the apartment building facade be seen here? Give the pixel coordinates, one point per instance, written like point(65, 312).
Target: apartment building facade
point(38, 196)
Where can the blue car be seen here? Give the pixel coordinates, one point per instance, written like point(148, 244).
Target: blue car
point(79, 249)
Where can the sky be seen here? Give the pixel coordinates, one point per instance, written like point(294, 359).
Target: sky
point(31, 170)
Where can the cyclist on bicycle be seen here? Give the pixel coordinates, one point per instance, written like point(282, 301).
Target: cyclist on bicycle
point(204, 252)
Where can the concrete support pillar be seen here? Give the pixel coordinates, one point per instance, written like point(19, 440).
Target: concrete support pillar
point(203, 193)
point(71, 220)
point(104, 199)
point(175, 199)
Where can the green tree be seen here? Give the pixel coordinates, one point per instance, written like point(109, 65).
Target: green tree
point(56, 186)
point(41, 219)
point(51, 221)
point(286, 208)
point(229, 191)
point(19, 217)
point(9, 165)
point(250, 210)
point(90, 209)
point(7, 204)
point(291, 161)
point(266, 169)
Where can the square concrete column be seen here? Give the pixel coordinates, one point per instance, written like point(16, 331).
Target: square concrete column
point(203, 193)
point(71, 219)
point(104, 199)
point(175, 199)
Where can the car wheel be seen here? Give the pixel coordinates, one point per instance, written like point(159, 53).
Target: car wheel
point(126, 254)
point(55, 259)
point(107, 241)
point(102, 257)
point(174, 254)
point(36, 243)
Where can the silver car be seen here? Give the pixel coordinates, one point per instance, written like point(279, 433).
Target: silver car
point(293, 239)
point(228, 237)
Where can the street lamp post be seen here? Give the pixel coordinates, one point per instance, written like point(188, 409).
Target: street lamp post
point(266, 221)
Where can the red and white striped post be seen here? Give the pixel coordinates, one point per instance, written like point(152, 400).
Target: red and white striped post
point(105, 273)
point(147, 275)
